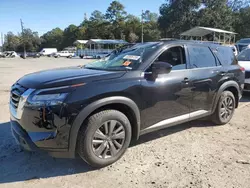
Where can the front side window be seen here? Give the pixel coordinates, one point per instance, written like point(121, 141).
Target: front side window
point(174, 56)
point(201, 57)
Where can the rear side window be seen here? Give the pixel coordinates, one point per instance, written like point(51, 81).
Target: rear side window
point(201, 57)
point(225, 55)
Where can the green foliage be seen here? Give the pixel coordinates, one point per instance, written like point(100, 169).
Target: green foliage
point(12, 42)
point(184, 14)
point(242, 23)
point(16, 42)
point(53, 39)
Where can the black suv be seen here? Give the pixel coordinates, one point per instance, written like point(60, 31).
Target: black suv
point(97, 109)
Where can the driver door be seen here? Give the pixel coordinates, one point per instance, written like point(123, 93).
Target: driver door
point(167, 99)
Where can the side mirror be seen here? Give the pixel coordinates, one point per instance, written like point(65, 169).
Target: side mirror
point(160, 67)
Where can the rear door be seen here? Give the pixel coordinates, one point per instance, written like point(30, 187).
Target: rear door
point(206, 73)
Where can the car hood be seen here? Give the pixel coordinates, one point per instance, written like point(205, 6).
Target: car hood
point(245, 64)
point(65, 77)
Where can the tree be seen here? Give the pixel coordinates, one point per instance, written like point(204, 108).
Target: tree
point(242, 23)
point(115, 12)
point(12, 42)
point(69, 35)
point(116, 15)
point(53, 39)
point(178, 16)
point(97, 16)
point(216, 14)
point(31, 40)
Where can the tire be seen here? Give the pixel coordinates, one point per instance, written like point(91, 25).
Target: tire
point(220, 116)
point(90, 141)
point(70, 56)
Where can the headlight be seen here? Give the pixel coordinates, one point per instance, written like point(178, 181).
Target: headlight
point(50, 97)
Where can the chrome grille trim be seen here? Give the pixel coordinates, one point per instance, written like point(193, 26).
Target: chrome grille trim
point(18, 99)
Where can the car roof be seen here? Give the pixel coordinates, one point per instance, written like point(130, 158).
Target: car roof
point(202, 43)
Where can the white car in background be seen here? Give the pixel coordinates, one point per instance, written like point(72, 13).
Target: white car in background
point(64, 54)
point(244, 61)
point(9, 54)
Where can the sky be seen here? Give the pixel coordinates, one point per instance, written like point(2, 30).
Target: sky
point(44, 15)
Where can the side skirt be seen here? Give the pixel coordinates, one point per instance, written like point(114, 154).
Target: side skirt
point(176, 120)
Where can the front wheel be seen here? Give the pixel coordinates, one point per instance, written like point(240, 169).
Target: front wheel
point(225, 108)
point(104, 138)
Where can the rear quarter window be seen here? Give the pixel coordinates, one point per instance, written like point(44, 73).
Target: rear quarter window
point(225, 55)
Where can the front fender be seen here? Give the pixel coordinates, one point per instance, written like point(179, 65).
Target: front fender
point(84, 113)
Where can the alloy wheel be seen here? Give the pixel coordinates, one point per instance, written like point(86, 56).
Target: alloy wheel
point(108, 139)
point(227, 108)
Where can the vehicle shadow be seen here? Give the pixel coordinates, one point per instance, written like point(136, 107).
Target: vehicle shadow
point(17, 165)
point(245, 98)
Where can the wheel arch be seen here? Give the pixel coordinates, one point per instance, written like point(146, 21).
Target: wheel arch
point(123, 104)
point(232, 86)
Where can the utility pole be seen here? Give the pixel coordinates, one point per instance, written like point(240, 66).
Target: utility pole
point(142, 27)
point(2, 40)
point(24, 50)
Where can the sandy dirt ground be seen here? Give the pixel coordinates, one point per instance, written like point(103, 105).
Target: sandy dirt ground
point(197, 154)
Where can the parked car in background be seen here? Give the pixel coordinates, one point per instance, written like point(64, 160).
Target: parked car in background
point(244, 61)
point(47, 51)
point(97, 109)
point(9, 54)
point(67, 54)
point(242, 44)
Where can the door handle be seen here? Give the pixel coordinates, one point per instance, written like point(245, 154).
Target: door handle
point(185, 81)
point(222, 73)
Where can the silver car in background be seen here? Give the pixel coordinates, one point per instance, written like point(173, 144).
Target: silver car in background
point(244, 61)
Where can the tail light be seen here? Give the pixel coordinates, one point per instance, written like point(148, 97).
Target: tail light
point(242, 69)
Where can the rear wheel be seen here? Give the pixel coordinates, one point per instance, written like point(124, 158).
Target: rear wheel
point(105, 138)
point(225, 108)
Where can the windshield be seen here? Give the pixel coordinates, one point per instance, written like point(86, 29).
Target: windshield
point(129, 59)
point(244, 55)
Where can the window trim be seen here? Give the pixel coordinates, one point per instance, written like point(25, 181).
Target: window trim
point(166, 48)
point(217, 62)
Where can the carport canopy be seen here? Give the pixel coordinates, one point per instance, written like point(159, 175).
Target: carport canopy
point(103, 41)
point(203, 31)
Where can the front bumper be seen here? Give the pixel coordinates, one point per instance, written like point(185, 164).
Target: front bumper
point(22, 138)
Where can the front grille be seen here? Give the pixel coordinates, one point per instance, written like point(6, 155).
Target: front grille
point(247, 74)
point(16, 91)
